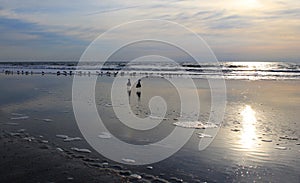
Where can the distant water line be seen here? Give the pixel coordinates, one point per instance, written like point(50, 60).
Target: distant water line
point(227, 70)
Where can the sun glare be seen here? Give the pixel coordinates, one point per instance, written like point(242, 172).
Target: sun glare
point(256, 65)
point(249, 131)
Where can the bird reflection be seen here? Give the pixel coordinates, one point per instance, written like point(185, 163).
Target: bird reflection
point(129, 93)
point(248, 134)
point(129, 88)
point(138, 93)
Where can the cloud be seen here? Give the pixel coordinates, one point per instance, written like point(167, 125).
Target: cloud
point(24, 40)
point(227, 25)
point(113, 10)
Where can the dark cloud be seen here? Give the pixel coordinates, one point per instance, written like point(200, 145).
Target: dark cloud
point(20, 35)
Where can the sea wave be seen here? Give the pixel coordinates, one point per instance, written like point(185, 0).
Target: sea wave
point(227, 70)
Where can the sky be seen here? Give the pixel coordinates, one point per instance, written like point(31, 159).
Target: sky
point(236, 30)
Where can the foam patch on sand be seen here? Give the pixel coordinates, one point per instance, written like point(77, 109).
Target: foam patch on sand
point(157, 117)
point(67, 138)
point(59, 149)
point(195, 124)
point(128, 160)
point(81, 150)
point(15, 134)
point(203, 135)
point(281, 148)
point(47, 120)
point(62, 136)
point(136, 176)
point(20, 118)
point(17, 114)
point(21, 130)
point(105, 135)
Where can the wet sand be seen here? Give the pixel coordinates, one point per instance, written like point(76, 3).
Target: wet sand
point(32, 160)
point(264, 148)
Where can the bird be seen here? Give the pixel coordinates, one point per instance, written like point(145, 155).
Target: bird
point(129, 83)
point(138, 85)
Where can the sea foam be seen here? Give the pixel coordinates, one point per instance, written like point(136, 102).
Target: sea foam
point(195, 124)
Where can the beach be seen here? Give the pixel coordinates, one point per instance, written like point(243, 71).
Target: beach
point(258, 140)
point(150, 91)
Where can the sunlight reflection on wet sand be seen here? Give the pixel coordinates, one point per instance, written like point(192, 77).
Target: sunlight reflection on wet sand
point(248, 135)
